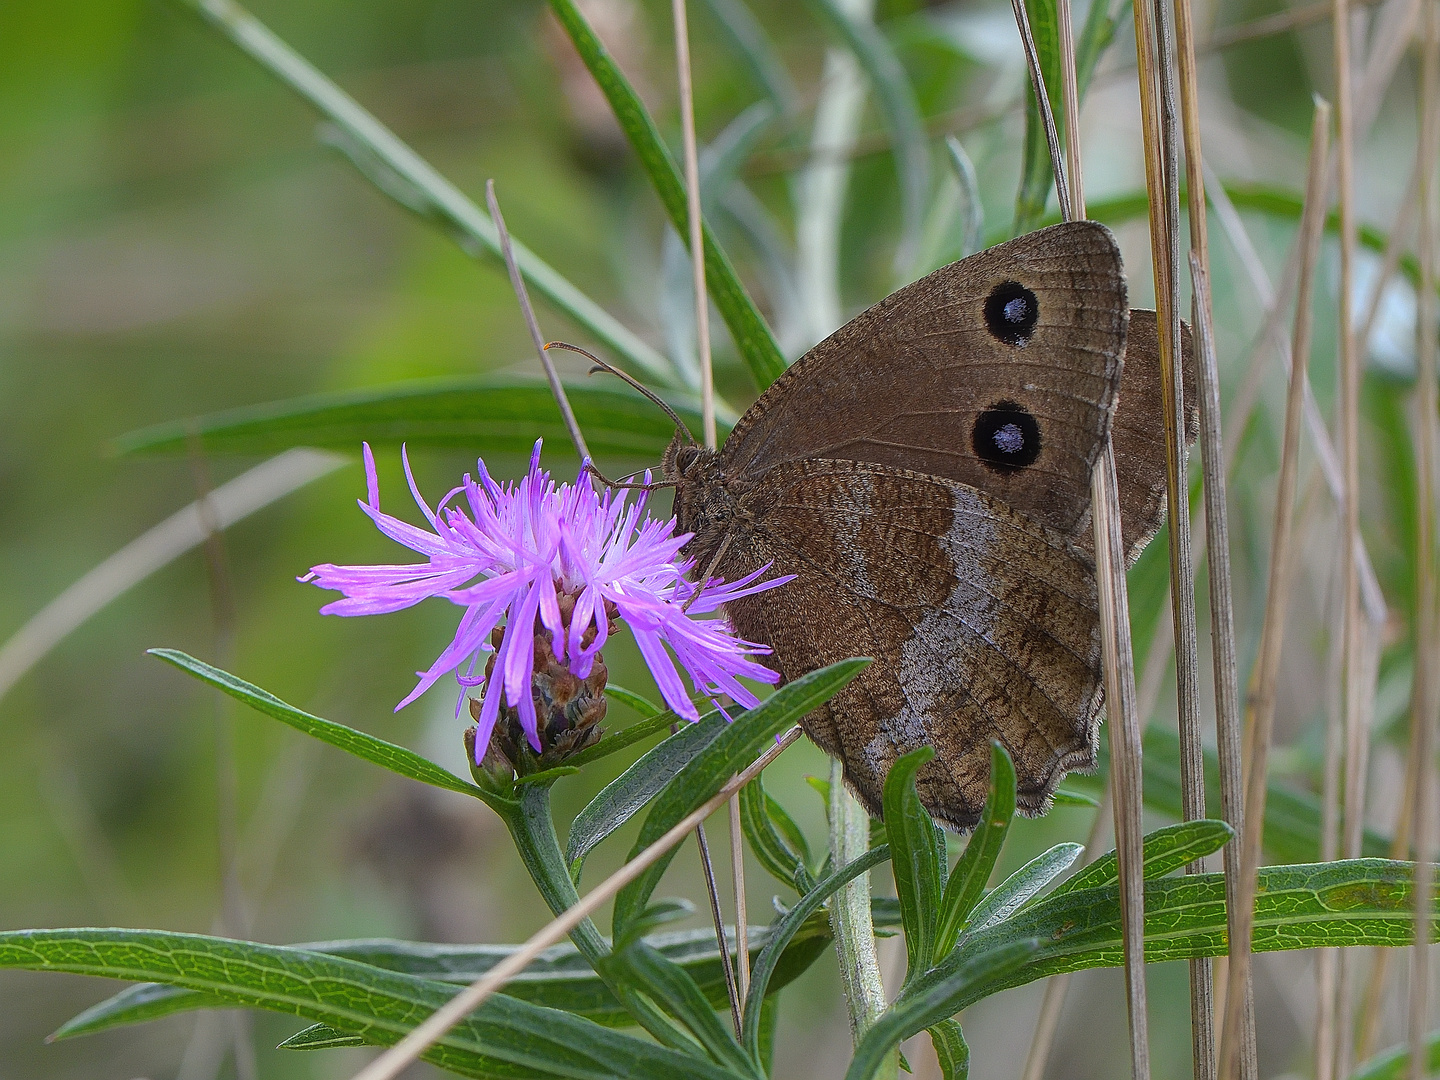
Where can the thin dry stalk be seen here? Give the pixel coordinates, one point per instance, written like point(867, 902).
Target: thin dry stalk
point(1229, 721)
point(735, 987)
point(1349, 439)
point(389, 1064)
point(1070, 97)
point(1424, 736)
point(742, 936)
point(1127, 796)
point(1273, 627)
point(1158, 109)
point(518, 284)
point(1327, 961)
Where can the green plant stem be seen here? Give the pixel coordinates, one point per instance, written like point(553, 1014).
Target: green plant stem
point(850, 918)
point(532, 828)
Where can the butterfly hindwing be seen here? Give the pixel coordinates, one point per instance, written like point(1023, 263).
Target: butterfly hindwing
point(982, 623)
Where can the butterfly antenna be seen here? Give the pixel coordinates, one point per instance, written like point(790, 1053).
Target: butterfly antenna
point(593, 471)
point(601, 365)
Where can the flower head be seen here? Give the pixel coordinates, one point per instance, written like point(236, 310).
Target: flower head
point(557, 563)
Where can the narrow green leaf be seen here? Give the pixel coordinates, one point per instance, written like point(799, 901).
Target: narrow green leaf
point(917, 858)
point(482, 415)
point(669, 985)
point(1019, 887)
point(951, 1050)
point(1350, 902)
point(929, 1000)
point(901, 113)
point(1037, 174)
point(1166, 850)
point(771, 848)
point(625, 737)
point(505, 1037)
point(320, 1037)
point(977, 862)
point(754, 46)
point(747, 327)
point(444, 203)
point(628, 793)
point(1394, 1063)
point(639, 702)
point(784, 928)
point(1066, 797)
point(736, 747)
point(378, 751)
point(561, 978)
point(972, 208)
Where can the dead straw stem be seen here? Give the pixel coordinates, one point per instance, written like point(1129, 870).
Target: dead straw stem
point(1276, 600)
point(1229, 721)
point(1426, 696)
point(1158, 111)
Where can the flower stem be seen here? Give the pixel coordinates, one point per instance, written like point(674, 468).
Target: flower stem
point(532, 827)
point(850, 918)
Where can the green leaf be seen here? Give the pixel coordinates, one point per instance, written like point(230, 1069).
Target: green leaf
point(1019, 887)
point(1066, 797)
point(443, 203)
point(320, 1037)
point(672, 988)
point(917, 858)
point(747, 327)
point(1350, 902)
point(385, 754)
point(901, 113)
point(785, 927)
point(561, 978)
point(656, 914)
point(929, 1000)
point(505, 1037)
point(738, 746)
point(628, 793)
point(1166, 850)
point(1394, 1063)
point(951, 1050)
point(625, 737)
point(758, 818)
point(749, 39)
point(1037, 173)
point(977, 862)
point(482, 415)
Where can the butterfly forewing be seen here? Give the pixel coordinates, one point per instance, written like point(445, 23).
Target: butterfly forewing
point(1000, 371)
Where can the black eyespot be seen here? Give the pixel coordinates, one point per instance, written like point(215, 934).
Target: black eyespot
point(1011, 312)
point(1006, 437)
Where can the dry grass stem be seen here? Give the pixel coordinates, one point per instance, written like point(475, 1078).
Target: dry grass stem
point(742, 935)
point(1348, 429)
point(1123, 728)
point(1074, 176)
point(1158, 110)
point(1229, 720)
point(707, 413)
point(389, 1064)
point(1426, 696)
point(518, 284)
point(1276, 600)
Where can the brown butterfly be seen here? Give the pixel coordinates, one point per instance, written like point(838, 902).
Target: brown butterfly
point(925, 474)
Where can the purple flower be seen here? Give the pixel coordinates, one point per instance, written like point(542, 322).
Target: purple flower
point(522, 552)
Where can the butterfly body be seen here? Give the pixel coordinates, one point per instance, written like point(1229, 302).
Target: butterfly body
point(924, 472)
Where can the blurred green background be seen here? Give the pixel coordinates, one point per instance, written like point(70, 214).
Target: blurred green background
point(176, 238)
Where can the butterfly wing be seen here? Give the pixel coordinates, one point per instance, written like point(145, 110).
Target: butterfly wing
point(1000, 371)
point(982, 622)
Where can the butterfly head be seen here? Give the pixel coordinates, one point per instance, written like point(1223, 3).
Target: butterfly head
point(704, 501)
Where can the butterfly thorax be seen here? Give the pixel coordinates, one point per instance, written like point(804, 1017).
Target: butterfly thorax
point(707, 500)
